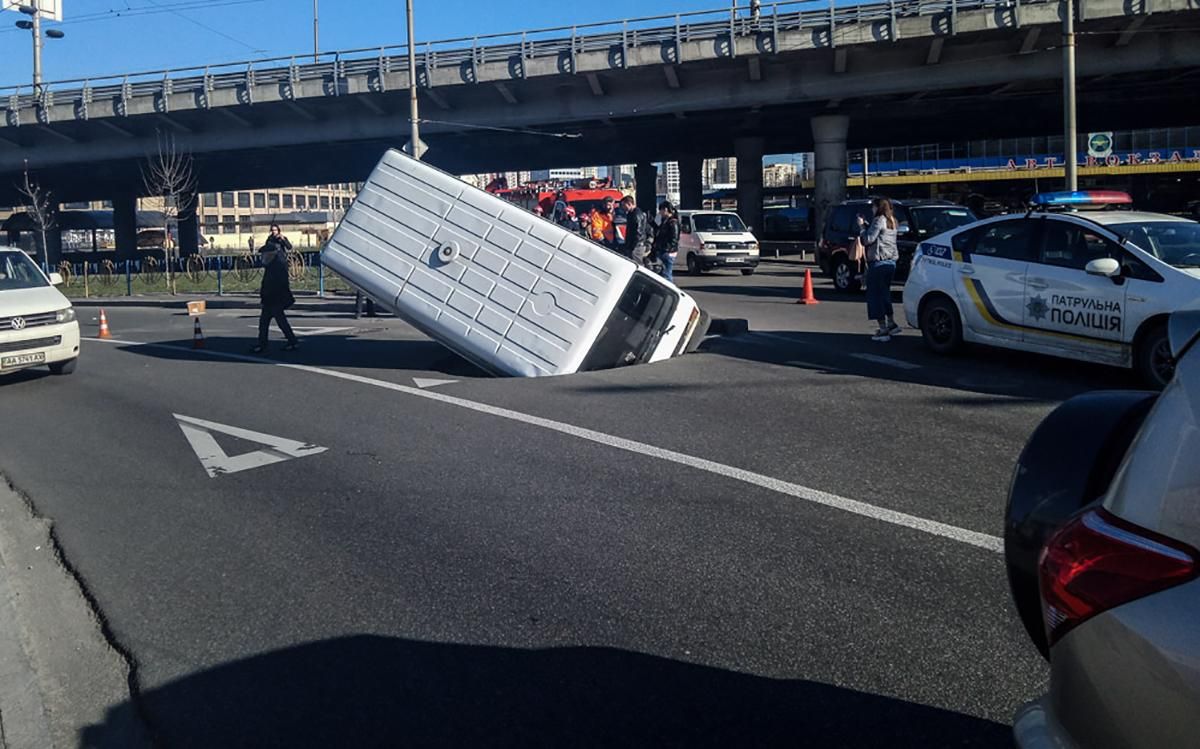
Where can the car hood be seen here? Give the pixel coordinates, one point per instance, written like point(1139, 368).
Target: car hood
point(725, 236)
point(1193, 272)
point(31, 301)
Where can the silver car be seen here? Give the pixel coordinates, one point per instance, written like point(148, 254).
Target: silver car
point(1101, 539)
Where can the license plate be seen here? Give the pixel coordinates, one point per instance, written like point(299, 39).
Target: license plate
point(21, 360)
point(736, 260)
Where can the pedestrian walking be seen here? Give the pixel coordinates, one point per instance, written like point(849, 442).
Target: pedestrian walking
point(666, 239)
point(638, 235)
point(275, 292)
point(879, 240)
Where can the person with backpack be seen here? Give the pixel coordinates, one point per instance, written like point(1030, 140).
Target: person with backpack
point(275, 291)
point(666, 239)
point(638, 235)
point(879, 239)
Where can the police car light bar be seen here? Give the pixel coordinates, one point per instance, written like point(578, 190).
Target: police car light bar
point(1082, 197)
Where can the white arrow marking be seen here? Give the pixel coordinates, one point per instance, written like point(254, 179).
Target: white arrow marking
point(217, 462)
point(423, 383)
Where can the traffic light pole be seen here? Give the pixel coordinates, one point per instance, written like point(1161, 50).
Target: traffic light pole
point(37, 51)
point(413, 115)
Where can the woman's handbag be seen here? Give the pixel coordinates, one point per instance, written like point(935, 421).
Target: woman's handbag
point(858, 253)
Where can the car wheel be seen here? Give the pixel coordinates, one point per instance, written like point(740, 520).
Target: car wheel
point(941, 327)
point(844, 275)
point(693, 265)
point(747, 271)
point(63, 367)
point(1068, 462)
point(1153, 359)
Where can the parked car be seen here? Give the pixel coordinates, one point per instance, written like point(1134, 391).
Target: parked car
point(716, 239)
point(1094, 284)
point(787, 224)
point(917, 220)
point(37, 323)
point(1101, 543)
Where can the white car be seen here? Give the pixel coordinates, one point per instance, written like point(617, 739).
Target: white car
point(716, 239)
point(37, 323)
point(1096, 285)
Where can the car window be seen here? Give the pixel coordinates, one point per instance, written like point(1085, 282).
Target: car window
point(718, 222)
point(1174, 242)
point(685, 225)
point(18, 272)
point(842, 216)
point(934, 220)
point(1011, 240)
point(1070, 245)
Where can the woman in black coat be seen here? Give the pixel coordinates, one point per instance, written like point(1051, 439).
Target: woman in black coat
point(276, 291)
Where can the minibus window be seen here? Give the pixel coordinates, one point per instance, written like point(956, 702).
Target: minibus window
point(635, 326)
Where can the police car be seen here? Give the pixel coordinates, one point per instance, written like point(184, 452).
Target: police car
point(1074, 277)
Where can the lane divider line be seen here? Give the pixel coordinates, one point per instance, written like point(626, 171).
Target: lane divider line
point(889, 361)
point(815, 496)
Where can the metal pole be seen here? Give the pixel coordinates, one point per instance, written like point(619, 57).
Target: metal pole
point(37, 50)
point(1069, 139)
point(316, 34)
point(413, 115)
point(866, 173)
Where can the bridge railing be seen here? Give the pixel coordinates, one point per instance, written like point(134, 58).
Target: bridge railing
point(561, 42)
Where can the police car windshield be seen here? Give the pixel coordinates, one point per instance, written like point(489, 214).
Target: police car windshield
point(718, 222)
point(1176, 243)
point(18, 272)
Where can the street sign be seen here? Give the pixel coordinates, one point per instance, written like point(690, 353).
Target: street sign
point(51, 10)
point(217, 462)
point(421, 148)
point(1100, 145)
point(197, 308)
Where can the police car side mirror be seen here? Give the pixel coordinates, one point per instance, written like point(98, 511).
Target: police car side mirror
point(1103, 266)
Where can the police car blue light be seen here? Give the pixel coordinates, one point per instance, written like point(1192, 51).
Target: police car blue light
point(1082, 197)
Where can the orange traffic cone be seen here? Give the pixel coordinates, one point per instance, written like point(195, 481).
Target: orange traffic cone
point(808, 297)
point(198, 336)
point(104, 332)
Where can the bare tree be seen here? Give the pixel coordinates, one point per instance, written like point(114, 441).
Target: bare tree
point(40, 208)
point(170, 180)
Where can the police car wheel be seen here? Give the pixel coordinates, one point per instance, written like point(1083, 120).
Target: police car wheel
point(940, 326)
point(844, 276)
point(1153, 357)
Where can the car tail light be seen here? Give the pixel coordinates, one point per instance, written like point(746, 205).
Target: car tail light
point(1098, 561)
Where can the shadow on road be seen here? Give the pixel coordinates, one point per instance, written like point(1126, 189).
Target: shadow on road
point(328, 351)
point(978, 369)
point(369, 691)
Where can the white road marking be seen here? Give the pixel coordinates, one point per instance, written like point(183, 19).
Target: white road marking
point(311, 330)
point(217, 462)
point(816, 496)
point(423, 382)
point(889, 361)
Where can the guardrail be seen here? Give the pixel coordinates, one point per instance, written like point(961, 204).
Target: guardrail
point(556, 42)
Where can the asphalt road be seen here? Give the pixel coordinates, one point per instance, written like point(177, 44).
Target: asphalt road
point(786, 539)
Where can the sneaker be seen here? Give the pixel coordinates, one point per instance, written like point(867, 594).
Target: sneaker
point(881, 335)
point(258, 349)
point(292, 346)
point(894, 329)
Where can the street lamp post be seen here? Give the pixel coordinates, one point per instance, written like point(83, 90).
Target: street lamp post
point(35, 26)
point(316, 30)
point(413, 114)
point(1069, 139)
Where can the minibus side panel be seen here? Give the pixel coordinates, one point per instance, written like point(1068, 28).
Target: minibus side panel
point(481, 275)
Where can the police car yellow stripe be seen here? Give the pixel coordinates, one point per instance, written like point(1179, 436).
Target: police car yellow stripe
point(988, 312)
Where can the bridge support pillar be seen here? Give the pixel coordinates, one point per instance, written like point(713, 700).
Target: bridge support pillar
point(691, 182)
point(52, 252)
point(645, 176)
point(749, 152)
point(829, 147)
point(188, 231)
point(125, 226)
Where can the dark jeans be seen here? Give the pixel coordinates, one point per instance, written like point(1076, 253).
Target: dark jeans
point(668, 264)
point(879, 290)
point(280, 317)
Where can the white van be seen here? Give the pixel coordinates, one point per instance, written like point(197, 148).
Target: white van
point(716, 239)
point(37, 323)
point(503, 288)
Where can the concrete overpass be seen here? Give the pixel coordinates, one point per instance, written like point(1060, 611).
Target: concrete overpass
point(803, 76)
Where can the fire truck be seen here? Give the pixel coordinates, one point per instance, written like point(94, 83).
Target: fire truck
point(584, 195)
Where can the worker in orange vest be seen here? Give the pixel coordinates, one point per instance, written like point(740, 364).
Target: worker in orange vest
point(604, 230)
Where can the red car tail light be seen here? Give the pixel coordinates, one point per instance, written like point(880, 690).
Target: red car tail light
point(1098, 561)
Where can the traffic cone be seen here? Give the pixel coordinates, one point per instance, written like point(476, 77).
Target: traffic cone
point(808, 297)
point(104, 332)
point(198, 336)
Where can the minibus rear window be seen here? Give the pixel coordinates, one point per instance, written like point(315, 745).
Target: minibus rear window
point(635, 326)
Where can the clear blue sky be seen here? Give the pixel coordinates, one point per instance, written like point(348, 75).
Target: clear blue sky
point(116, 36)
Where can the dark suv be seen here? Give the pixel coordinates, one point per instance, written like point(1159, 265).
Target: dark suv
point(918, 220)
